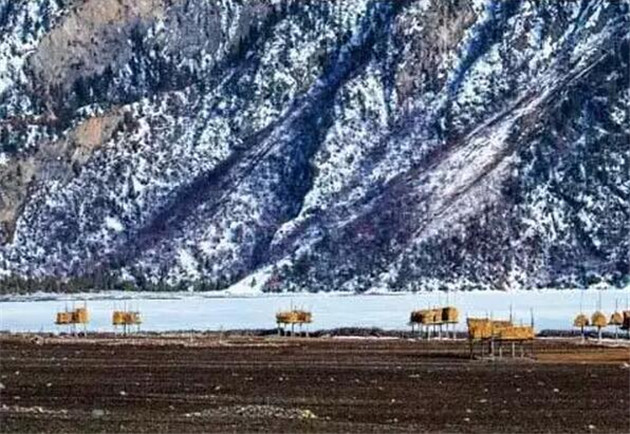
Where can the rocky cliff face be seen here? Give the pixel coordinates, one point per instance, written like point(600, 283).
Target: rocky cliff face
point(316, 145)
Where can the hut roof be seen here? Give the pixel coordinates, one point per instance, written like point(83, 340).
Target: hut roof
point(439, 315)
point(599, 319)
point(484, 328)
point(616, 318)
point(426, 316)
point(450, 314)
point(581, 321)
point(516, 333)
point(294, 317)
point(64, 318)
point(80, 316)
point(304, 316)
point(120, 317)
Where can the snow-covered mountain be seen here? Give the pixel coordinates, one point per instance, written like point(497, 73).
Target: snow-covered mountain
point(316, 145)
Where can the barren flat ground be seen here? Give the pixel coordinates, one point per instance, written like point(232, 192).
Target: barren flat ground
point(204, 383)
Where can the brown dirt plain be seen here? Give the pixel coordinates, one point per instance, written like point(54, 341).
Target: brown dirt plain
point(205, 383)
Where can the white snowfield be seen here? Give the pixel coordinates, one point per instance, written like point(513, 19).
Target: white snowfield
point(552, 309)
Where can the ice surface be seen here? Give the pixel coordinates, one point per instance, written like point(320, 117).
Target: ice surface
point(552, 309)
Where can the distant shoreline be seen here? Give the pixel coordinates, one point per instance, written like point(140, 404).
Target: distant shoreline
point(342, 332)
point(226, 293)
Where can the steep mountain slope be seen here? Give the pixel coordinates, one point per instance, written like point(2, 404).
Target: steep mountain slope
point(316, 145)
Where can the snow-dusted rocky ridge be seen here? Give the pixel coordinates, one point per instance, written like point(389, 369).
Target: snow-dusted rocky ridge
point(318, 145)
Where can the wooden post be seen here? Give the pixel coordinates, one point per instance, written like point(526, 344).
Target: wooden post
point(513, 349)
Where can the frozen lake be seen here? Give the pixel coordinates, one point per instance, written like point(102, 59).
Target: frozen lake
point(209, 311)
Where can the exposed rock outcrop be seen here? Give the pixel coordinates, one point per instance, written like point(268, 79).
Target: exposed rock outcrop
point(317, 145)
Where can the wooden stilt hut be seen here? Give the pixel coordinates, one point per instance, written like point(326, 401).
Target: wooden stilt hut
point(293, 317)
point(599, 320)
point(126, 319)
point(64, 318)
point(616, 319)
point(581, 321)
point(72, 318)
point(494, 334)
point(427, 320)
